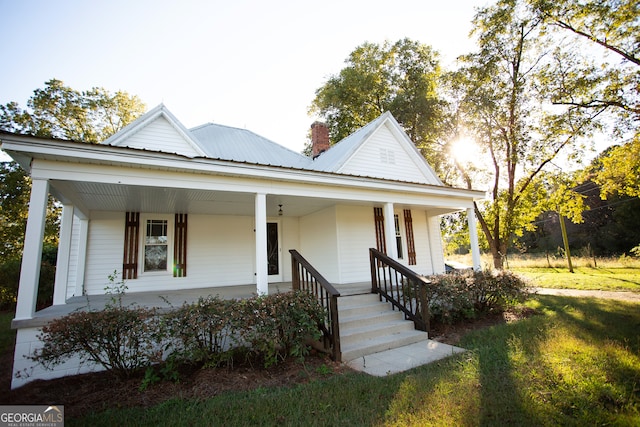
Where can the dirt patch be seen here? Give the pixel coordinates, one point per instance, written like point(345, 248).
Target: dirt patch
point(93, 392)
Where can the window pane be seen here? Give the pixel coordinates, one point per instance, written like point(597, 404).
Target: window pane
point(155, 258)
point(156, 232)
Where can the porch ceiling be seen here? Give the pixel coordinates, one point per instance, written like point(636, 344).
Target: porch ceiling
point(109, 197)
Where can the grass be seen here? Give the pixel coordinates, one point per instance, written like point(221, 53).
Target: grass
point(576, 363)
point(611, 274)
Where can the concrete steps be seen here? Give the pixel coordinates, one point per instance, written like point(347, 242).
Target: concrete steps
point(368, 326)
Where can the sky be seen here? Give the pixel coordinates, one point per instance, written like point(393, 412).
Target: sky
point(248, 64)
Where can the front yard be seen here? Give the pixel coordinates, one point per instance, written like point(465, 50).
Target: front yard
point(575, 362)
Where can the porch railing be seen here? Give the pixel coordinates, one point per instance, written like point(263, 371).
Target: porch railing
point(307, 278)
point(403, 288)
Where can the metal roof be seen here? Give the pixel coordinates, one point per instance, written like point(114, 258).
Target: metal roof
point(241, 145)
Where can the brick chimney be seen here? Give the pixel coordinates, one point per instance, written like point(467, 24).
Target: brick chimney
point(319, 138)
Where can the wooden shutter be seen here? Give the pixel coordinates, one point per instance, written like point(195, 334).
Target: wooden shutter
point(379, 223)
point(131, 242)
point(411, 247)
point(180, 246)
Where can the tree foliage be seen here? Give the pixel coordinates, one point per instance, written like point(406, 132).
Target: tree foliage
point(55, 111)
point(58, 111)
point(402, 78)
point(506, 103)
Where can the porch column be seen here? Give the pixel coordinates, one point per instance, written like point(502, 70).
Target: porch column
point(473, 238)
point(64, 251)
point(390, 231)
point(262, 268)
point(32, 252)
point(83, 234)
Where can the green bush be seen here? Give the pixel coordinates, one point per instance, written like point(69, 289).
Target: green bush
point(121, 339)
point(281, 325)
point(203, 331)
point(465, 295)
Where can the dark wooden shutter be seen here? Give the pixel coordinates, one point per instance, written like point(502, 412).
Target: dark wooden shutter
point(131, 242)
point(379, 222)
point(411, 247)
point(180, 246)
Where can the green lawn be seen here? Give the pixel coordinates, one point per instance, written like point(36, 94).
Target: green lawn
point(575, 363)
point(586, 278)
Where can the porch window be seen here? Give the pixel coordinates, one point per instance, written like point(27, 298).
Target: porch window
point(156, 245)
point(396, 221)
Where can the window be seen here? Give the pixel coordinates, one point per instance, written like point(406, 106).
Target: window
point(162, 241)
point(387, 156)
point(156, 248)
point(396, 221)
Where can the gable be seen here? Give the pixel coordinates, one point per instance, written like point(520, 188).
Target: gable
point(387, 154)
point(160, 135)
point(157, 130)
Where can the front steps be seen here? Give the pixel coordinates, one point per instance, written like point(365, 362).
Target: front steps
point(368, 326)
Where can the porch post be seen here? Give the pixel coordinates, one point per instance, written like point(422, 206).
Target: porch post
point(262, 269)
point(473, 238)
point(390, 231)
point(64, 250)
point(32, 252)
point(83, 234)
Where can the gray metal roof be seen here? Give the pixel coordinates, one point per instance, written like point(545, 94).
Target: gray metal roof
point(241, 145)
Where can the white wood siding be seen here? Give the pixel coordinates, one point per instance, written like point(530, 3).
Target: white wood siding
point(220, 252)
point(435, 239)
point(356, 234)
point(160, 135)
point(383, 157)
point(290, 240)
point(105, 247)
point(319, 242)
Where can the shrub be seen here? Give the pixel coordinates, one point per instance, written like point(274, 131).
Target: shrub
point(121, 339)
point(281, 325)
point(465, 295)
point(203, 331)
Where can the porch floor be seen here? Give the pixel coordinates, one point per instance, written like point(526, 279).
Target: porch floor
point(160, 299)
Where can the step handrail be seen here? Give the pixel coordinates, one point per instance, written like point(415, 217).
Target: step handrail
point(306, 277)
point(405, 289)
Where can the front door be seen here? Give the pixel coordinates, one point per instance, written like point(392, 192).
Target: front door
point(273, 252)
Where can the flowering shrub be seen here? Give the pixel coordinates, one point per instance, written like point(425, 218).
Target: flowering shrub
point(464, 295)
point(281, 325)
point(203, 331)
point(212, 330)
point(121, 339)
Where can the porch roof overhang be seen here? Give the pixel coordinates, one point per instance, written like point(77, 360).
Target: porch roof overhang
point(107, 178)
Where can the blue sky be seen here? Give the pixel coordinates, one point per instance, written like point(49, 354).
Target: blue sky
point(249, 64)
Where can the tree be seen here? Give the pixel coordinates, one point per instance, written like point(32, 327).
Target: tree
point(613, 82)
point(506, 103)
point(613, 25)
point(56, 111)
point(401, 78)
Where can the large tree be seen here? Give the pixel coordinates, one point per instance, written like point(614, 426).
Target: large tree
point(506, 105)
point(612, 29)
point(402, 78)
point(56, 111)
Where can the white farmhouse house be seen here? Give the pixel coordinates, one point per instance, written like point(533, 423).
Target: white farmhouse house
point(187, 210)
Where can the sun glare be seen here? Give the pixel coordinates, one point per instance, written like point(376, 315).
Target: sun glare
point(465, 150)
